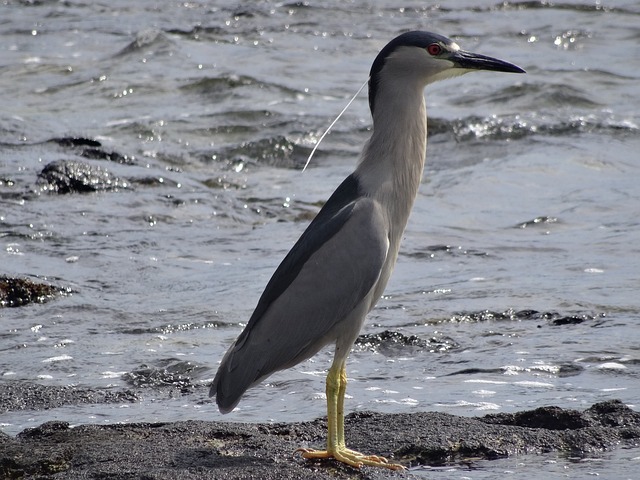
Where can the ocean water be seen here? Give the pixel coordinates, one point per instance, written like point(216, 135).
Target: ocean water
point(517, 282)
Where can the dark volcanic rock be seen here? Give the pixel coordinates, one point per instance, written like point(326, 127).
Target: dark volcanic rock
point(79, 142)
point(16, 292)
point(32, 396)
point(208, 450)
point(69, 176)
point(551, 418)
point(393, 344)
point(93, 149)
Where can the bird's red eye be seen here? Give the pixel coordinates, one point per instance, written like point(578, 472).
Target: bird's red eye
point(434, 49)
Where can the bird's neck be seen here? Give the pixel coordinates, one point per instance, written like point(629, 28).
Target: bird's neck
point(390, 169)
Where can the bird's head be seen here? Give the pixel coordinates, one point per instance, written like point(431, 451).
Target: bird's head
point(423, 58)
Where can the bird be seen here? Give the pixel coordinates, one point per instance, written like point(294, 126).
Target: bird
point(335, 273)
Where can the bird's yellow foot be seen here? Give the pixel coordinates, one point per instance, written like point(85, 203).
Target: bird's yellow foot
point(350, 457)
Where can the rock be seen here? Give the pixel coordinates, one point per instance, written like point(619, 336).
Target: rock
point(70, 176)
point(93, 149)
point(208, 450)
point(16, 292)
point(32, 396)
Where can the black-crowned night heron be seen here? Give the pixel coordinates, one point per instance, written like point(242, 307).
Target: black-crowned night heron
point(336, 272)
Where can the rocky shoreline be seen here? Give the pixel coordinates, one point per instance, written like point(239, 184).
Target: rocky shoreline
point(208, 450)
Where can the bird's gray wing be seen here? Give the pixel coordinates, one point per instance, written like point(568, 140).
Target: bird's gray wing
point(328, 221)
point(326, 275)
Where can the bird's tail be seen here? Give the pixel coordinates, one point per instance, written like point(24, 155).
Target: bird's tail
point(251, 359)
point(235, 376)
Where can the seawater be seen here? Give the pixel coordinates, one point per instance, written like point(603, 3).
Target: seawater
point(519, 267)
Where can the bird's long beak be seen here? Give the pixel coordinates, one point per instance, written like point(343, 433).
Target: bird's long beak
point(475, 61)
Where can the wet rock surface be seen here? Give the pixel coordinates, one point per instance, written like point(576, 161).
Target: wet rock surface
point(92, 149)
point(207, 450)
point(391, 343)
point(71, 176)
point(32, 396)
point(17, 292)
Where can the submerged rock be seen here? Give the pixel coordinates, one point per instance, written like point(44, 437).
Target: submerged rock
point(32, 396)
point(169, 373)
point(208, 450)
point(70, 176)
point(392, 344)
point(16, 292)
point(93, 149)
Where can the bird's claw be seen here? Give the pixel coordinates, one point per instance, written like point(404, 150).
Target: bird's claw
point(350, 457)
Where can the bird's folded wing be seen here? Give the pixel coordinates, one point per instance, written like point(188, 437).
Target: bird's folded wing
point(327, 274)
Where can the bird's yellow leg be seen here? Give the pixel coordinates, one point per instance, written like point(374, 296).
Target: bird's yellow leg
point(336, 447)
point(342, 388)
